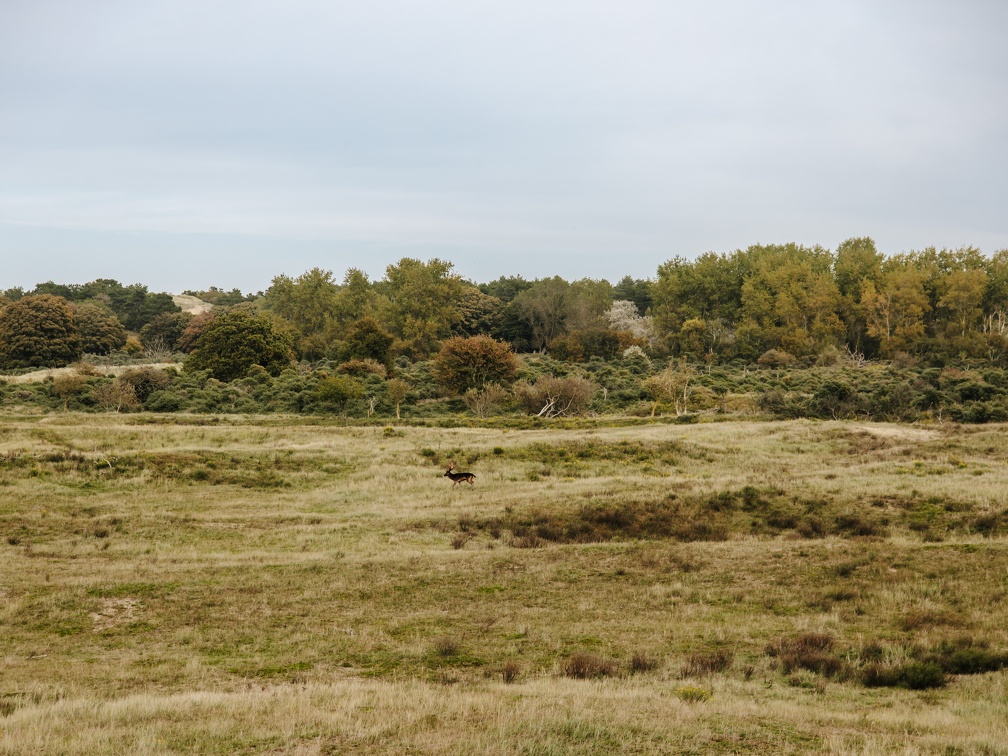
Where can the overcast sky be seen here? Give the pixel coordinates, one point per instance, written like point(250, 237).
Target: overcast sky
point(189, 143)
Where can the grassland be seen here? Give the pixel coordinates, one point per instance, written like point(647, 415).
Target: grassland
point(266, 585)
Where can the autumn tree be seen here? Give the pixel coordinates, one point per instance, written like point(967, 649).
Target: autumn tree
point(467, 363)
point(895, 308)
point(38, 331)
point(857, 261)
point(236, 340)
point(790, 297)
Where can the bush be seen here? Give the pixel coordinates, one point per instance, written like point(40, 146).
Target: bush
point(485, 401)
point(360, 367)
point(585, 666)
point(472, 363)
point(235, 341)
point(145, 381)
point(775, 358)
point(551, 396)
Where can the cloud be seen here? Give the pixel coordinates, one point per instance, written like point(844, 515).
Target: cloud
point(589, 138)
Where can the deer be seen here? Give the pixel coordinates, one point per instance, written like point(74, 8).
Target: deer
point(461, 477)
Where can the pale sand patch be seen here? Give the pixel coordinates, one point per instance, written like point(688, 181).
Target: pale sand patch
point(113, 612)
point(37, 376)
point(891, 431)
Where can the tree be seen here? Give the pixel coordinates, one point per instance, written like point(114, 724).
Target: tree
point(857, 261)
point(168, 327)
point(194, 330)
point(480, 313)
point(422, 302)
point(895, 310)
point(467, 363)
point(100, 330)
point(673, 384)
point(623, 316)
point(309, 303)
point(367, 340)
point(396, 391)
point(790, 296)
point(544, 307)
point(637, 291)
point(38, 331)
point(236, 340)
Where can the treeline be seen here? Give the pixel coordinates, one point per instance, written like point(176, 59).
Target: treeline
point(783, 303)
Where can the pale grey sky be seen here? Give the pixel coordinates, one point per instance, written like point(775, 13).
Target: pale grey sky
point(182, 144)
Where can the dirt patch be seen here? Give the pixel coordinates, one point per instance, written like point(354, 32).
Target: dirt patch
point(114, 612)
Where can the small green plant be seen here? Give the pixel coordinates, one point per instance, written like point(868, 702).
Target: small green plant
point(694, 694)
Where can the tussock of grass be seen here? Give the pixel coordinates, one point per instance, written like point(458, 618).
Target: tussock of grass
point(584, 665)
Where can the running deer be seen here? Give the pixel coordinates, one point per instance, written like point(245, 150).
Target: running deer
point(466, 477)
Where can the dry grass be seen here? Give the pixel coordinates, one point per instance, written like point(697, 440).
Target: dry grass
point(204, 584)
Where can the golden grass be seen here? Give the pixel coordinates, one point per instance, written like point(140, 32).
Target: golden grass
point(244, 585)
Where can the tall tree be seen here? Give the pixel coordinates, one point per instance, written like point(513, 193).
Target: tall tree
point(421, 304)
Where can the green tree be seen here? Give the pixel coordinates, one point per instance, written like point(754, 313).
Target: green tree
point(466, 363)
point(367, 340)
point(544, 307)
point(236, 340)
point(165, 329)
point(100, 330)
point(480, 313)
point(857, 261)
point(396, 391)
point(421, 303)
point(708, 288)
point(309, 304)
point(38, 331)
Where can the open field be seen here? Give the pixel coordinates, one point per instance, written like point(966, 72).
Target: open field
point(281, 584)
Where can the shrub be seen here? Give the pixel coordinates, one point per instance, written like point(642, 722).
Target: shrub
point(510, 671)
point(584, 665)
point(145, 381)
point(641, 662)
point(338, 393)
point(809, 651)
point(471, 363)
point(775, 358)
point(235, 341)
point(360, 367)
point(551, 396)
point(707, 663)
point(165, 329)
point(694, 694)
point(485, 401)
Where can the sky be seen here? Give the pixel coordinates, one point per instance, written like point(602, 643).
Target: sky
point(190, 143)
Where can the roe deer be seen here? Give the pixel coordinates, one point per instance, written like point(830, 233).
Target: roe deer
point(466, 477)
